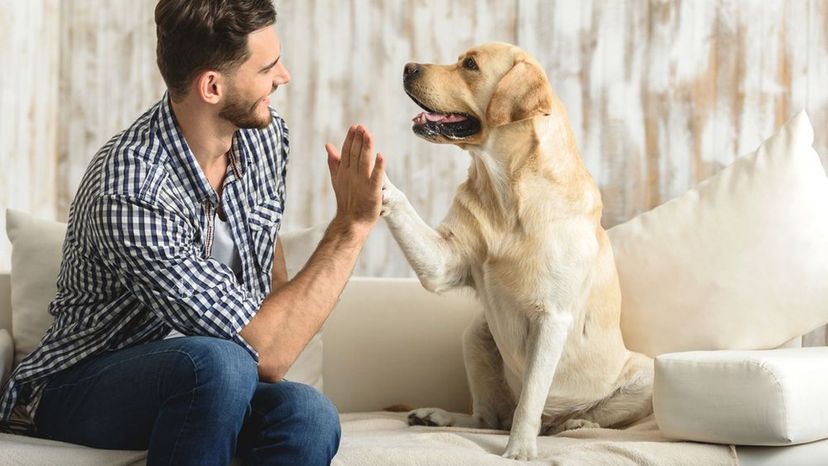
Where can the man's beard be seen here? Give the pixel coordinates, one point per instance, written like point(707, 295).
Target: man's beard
point(243, 114)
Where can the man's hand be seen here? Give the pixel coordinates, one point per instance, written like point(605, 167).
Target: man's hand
point(293, 312)
point(357, 177)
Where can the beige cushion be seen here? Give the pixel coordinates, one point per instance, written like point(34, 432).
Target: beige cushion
point(739, 262)
point(6, 355)
point(36, 254)
point(769, 397)
point(389, 341)
point(298, 246)
point(36, 257)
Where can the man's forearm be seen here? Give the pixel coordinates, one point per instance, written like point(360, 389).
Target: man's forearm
point(293, 313)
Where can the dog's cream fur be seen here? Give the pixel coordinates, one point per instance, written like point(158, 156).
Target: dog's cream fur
point(524, 232)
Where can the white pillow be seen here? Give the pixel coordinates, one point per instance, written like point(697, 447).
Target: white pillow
point(298, 246)
point(36, 256)
point(739, 262)
point(6, 355)
point(766, 397)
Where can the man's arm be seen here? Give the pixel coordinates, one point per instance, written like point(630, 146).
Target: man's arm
point(290, 316)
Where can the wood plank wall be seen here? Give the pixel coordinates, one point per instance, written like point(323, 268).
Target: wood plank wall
point(29, 87)
point(661, 94)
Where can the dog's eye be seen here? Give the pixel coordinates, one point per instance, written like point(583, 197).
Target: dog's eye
point(470, 64)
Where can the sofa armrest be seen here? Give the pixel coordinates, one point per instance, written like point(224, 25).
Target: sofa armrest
point(6, 355)
point(389, 341)
point(766, 397)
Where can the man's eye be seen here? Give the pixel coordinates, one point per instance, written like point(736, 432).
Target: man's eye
point(470, 64)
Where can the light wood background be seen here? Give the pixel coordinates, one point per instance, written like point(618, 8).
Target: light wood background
point(661, 94)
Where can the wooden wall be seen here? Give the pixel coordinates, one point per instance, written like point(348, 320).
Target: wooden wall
point(29, 86)
point(661, 94)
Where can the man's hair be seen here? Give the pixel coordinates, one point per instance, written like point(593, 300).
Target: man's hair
point(199, 35)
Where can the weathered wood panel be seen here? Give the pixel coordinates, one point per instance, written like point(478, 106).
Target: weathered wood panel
point(29, 108)
point(661, 94)
point(108, 78)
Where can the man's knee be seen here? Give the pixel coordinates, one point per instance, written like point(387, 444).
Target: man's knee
point(305, 409)
point(217, 369)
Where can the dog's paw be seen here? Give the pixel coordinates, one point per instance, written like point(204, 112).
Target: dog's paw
point(521, 448)
point(391, 197)
point(434, 417)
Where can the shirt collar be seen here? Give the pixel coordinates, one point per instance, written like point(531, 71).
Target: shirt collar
point(195, 182)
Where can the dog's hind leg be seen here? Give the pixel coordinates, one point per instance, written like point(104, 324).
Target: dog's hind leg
point(493, 404)
point(631, 401)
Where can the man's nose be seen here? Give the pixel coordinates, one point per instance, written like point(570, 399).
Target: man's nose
point(411, 71)
point(282, 77)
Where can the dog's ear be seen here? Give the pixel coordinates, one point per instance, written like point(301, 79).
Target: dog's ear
point(522, 93)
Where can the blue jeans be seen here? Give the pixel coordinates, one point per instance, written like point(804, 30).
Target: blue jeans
point(189, 401)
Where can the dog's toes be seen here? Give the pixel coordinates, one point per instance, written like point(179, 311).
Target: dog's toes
point(434, 417)
point(522, 449)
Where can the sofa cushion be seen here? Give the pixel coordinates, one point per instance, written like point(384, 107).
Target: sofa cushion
point(298, 245)
point(6, 355)
point(738, 262)
point(372, 439)
point(36, 257)
point(22, 450)
point(743, 397)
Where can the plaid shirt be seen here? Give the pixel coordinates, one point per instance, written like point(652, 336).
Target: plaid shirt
point(136, 258)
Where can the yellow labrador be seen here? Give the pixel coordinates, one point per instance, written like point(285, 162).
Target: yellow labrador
point(524, 231)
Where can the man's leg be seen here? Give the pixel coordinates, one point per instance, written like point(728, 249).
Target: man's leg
point(290, 423)
point(184, 399)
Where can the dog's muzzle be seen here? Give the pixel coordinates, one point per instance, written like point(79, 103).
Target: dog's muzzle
point(433, 123)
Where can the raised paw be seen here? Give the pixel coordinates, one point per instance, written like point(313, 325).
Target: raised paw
point(434, 417)
point(391, 197)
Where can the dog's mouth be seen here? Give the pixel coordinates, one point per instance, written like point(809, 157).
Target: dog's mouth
point(452, 125)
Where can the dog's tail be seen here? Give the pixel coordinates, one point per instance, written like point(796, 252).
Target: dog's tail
point(399, 408)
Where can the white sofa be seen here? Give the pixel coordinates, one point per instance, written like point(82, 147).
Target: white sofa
point(391, 342)
point(738, 264)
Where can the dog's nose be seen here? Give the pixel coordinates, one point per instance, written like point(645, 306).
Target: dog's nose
point(411, 70)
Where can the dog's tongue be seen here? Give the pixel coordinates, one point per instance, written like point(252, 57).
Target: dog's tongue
point(425, 117)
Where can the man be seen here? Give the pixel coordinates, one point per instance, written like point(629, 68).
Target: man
point(174, 231)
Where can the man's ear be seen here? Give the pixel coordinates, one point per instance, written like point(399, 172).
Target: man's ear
point(209, 86)
point(522, 93)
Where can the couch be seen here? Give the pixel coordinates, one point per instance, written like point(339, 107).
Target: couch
point(718, 285)
point(391, 342)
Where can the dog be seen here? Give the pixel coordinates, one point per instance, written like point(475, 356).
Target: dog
point(524, 231)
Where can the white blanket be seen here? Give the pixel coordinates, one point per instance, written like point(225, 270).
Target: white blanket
point(385, 439)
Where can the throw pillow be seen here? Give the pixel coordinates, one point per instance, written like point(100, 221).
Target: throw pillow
point(738, 262)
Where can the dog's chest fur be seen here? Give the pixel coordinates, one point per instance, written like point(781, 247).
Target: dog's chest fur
point(531, 245)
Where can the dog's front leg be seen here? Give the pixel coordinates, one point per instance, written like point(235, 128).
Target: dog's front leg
point(431, 255)
point(547, 335)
